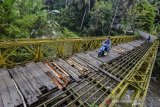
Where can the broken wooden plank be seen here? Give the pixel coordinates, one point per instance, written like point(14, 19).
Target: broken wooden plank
point(26, 91)
point(54, 70)
point(83, 70)
point(47, 68)
point(63, 80)
point(40, 75)
point(59, 68)
point(70, 67)
point(59, 85)
point(16, 99)
point(67, 67)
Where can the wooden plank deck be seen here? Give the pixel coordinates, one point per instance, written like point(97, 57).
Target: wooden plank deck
point(22, 84)
point(30, 81)
point(32, 78)
point(15, 97)
point(136, 43)
point(40, 75)
point(4, 92)
point(69, 69)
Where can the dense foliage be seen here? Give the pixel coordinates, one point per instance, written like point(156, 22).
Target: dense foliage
point(146, 16)
point(52, 18)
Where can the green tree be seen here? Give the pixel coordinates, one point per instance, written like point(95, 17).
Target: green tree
point(24, 18)
point(100, 18)
point(84, 6)
point(146, 16)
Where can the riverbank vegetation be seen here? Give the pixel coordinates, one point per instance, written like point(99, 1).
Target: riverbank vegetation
point(73, 18)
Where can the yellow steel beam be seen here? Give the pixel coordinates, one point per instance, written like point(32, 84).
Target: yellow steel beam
point(21, 50)
point(41, 41)
point(137, 81)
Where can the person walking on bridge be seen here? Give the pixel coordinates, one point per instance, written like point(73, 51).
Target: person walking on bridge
point(149, 38)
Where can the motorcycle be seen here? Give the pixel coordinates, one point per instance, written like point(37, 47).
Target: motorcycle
point(103, 50)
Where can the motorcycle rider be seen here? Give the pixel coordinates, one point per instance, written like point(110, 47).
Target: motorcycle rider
point(107, 45)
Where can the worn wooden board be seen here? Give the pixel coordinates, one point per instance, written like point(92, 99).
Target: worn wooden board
point(30, 81)
point(136, 43)
point(31, 78)
point(1, 102)
point(83, 70)
point(4, 92)
point(119, 49)
point(20, 73)
point(59, 85)
point(57, 67)
point(46, 68)
point(69, 69)
point(78, 59)
point(40, 75)
point(48, 81)
point(126, 46)
point(24, 88)
point(34, 75)
point(90, 59)
point(16, 99)
point(61, 78)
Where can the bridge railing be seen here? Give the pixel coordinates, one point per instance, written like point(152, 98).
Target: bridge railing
point(21, 51)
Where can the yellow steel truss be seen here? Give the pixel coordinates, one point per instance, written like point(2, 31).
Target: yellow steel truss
point(132, 90)
point(20, 51)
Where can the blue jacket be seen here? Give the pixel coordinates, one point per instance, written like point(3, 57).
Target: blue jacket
point(107, 43)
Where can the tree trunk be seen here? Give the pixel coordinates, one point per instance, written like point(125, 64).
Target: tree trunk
point(83, 17)
point(117, 7)
point(66, 3)
point(89, 4)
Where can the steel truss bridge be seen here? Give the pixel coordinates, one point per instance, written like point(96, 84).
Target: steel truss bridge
point(67, 72)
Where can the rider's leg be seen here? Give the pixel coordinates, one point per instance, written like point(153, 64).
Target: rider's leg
point(105, 50)
point(109, 49)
